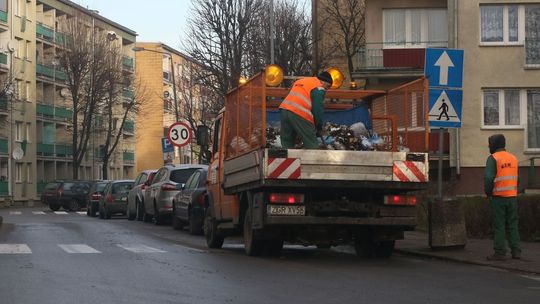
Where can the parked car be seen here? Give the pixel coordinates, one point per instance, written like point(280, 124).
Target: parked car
point(189, 204)
point(136, 195)
point(166, 184)
point(114, 198)
point(71, 195)
point(94, 196)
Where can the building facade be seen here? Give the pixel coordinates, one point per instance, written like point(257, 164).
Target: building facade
point(162, 70)
point(35, 106)
point(501, 75)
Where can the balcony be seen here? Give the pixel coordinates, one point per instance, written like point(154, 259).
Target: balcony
point(127, 63)
point(52, 112)
point(44, 32)
point(3, 146)
point(4, 188)
point(54, 150)
point(129, 157)
point(3, 104)
point(50, 72)
point(3, 58)
point(385, 59)
point(129, 127)
point(128, 94)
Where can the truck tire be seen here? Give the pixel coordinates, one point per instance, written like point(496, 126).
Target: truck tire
point(54, 207)
point(73, 205)
point(252, 245)
point(213, 239)
point(194, 227)
point(130, 214)
point(92, 211)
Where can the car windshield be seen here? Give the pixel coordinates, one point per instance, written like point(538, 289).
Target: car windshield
point(181, 175)
point(121, 188)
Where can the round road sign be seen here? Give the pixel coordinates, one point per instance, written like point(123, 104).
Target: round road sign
point(179, 134)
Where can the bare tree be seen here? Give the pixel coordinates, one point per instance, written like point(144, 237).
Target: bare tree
point(217, 38)
point(343, 24)
point(78, 61)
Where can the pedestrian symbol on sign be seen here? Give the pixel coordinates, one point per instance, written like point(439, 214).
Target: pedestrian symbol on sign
point(444, 111)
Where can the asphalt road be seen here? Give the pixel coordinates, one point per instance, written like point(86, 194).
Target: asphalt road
point(70, 258)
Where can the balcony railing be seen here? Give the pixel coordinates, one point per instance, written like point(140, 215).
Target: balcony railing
point(4, 188)
point(129, 157)
point(390, 56)
point(50, 72)
point(128, 93)
point(57, 150)
point(44, 32)
point(3, 145)
point(3, 16)
point(532, 53)
point(3, 58)
point(127, 63)
point(3, 103)
point(53, 112)
point(129, 126)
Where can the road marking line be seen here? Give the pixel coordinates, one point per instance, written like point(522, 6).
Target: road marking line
point(531, 277)
point(77, 248)
point(81, 212)
point(140, 248)
point(38, 212)
point(60, 212)
point(15, 212)
point(14, 248)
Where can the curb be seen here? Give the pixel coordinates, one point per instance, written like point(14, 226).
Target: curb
point(463, 261)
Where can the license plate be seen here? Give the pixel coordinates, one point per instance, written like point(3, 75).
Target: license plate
point(287, 210)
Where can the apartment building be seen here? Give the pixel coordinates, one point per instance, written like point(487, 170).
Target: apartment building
point(36, 109)
point(167, 76)
point(501, 74)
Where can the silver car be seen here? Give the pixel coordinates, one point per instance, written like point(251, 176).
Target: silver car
point(167, 182)
point(135, 207)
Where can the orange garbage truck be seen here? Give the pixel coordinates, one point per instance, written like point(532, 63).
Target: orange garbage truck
point(354, 190)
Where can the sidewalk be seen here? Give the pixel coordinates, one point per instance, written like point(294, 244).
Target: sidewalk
point(475, 252)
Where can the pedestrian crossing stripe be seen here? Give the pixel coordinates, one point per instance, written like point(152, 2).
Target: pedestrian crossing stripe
point(60, 212)
point(140, 248)
point(78, 248)
point(15, 212)
point(38, 212)
point(14, 249)
point(81, 212)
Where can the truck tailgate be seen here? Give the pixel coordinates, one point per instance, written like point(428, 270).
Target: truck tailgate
point(331, 165)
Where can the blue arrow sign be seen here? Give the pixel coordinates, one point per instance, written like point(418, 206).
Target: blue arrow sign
point(445, 108)
point(166, 145)
point(444, 67)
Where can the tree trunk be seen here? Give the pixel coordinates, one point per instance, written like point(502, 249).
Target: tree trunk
point(104, 168)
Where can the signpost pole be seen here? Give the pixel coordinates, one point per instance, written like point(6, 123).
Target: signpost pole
point(440, 165)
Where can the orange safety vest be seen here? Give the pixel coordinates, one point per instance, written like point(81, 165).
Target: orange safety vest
point(505, 183)
point(298, 100)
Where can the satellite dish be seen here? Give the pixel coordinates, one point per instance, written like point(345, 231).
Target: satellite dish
point(12, 45)
point(64, 92)
point(18, 153)
point(166, 94)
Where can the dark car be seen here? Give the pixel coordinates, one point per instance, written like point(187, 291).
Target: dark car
point(189, 204)
point(136, 195)
point(166, 184)
point(114, 198)
point(96, 191)
point(71, 195)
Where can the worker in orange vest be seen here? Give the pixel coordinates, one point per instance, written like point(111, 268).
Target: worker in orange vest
point(501, 187)
point(302, 111)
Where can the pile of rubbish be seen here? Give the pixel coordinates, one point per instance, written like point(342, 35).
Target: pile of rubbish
point(355, 137)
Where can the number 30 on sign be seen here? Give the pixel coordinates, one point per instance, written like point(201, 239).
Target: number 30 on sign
point(179, 134)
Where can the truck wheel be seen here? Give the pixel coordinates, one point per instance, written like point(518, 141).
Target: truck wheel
point(213, 239)
point(130, 215)
point(252, 245)
point(193, 227)
point(92, 211)
point(364, 247)
point(54, 207)
point(385, 249)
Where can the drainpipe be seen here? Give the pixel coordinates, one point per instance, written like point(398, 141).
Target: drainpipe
point(454, 44)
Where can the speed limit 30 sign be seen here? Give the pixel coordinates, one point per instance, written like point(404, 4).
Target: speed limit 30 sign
point(179, 134)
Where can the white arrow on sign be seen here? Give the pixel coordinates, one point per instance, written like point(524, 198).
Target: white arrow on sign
point(444, 62)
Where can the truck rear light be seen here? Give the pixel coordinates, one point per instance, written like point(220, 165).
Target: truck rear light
point(168, 187)
point(400, 200)
point(110, 198)
point(96, 196)
point(286, 198)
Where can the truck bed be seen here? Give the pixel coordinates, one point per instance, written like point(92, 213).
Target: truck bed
point(326, 168)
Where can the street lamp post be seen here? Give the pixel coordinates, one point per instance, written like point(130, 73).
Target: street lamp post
point(140, 49)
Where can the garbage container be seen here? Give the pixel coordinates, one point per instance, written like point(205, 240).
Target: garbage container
point(446, 224)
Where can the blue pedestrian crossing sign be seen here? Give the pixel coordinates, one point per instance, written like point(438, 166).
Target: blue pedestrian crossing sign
point(445, 108)
point(444, 67)
point(166, 145)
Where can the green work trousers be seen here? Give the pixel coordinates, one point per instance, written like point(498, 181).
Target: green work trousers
point(505, 217)
point(293, 126)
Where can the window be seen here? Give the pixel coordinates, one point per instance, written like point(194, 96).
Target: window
point(28, 131)
point(501, 24)
point(29, 172)
point(502, 108)
point(533, 119)
point(19, 131)
point(415, 27)
point(18, 172)
point(3, 5)
point(532, 34)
